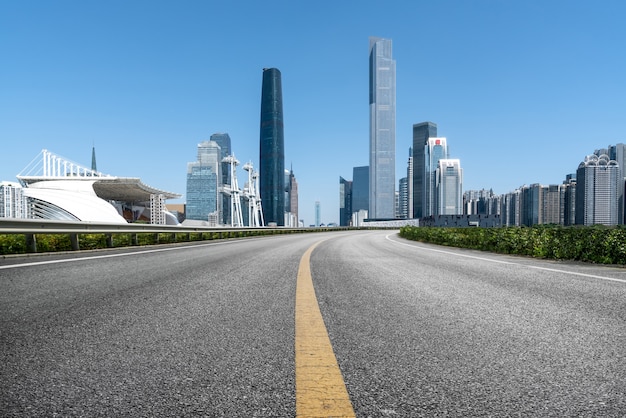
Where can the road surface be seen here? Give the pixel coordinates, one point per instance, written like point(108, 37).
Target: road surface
point(211, 329)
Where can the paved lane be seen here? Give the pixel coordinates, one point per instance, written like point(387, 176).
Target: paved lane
point(206, 330)
point(430, 331)
point(209, 330)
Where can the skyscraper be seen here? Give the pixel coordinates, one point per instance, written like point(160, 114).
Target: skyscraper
point(382, 89)
point(450, 187)
point(618, 153)
point(223, 140)
point(436, 149)
point(203, 182)
point(409, 185)
point(597, 183)
point(271, 150)
point(318, 213)
point(345, 201)
point(291, 199)
point(360, 188)
point(421, 133)
point(403, 196)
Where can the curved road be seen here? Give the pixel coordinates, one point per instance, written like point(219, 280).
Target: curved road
point(209, 329)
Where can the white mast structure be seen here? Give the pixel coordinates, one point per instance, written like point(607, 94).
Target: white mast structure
point(233, 191)
point(255, 210)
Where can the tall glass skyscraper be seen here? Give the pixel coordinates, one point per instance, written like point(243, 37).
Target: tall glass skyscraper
point(382, 89)
point(271, 150)
point(421, 133)
point(203, 182)
point(597, 194)
point(450, 187)
point(436, 149)
point(360, 188)
point(223, 140)
point(345, 201)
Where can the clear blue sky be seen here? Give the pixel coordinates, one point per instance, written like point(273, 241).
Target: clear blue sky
point(523, 90)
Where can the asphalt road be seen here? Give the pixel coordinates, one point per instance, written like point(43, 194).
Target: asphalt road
point(208, 330)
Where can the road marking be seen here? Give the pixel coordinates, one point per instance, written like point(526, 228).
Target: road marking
point(320, 389)
point(94, 257)
point(593, 276)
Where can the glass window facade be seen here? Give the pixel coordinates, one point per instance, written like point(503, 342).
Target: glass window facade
point(271, 150)
point(382, 129)
point(203, 182)
point(421, 133)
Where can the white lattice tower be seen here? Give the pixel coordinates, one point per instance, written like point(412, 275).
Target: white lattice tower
point(236, 219)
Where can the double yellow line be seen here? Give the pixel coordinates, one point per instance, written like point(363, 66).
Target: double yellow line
point(320, 389)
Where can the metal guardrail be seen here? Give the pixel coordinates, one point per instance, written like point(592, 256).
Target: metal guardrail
point(42, 226)
point(32, 227)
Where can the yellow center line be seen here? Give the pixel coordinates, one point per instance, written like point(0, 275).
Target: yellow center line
point(320, 389)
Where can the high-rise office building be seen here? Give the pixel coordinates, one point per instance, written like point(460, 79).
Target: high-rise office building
point(382, 100)
point(618, 153)
point(436, 149)
point(569, 200)
point(271, 150)
point(450, 187)
point(12, 201)
point(409, 185)
point(345, 201)
point(403, 198)
point(360, 188)
point(597, 183)
point(318, 213)
point(203, 183)
point(421, 133)
point(291, 199)
point(223, 140)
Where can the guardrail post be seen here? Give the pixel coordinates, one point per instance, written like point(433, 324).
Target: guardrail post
point(109, 238)
point(133, 239)
point(74, 241)
point(31, 243)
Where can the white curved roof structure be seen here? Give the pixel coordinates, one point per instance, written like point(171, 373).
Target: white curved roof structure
point(70, 200)
point(63, 190)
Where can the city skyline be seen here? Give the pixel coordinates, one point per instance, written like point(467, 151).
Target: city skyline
point(525, 90)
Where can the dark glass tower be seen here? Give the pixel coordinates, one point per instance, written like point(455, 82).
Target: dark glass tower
point(272, 149)
point(345, 201)
point(360, 188)
point(421, 133)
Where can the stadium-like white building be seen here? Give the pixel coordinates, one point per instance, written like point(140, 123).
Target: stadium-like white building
point(55, 188)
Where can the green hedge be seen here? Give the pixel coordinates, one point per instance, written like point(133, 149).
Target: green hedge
point(596, 244)
point(16, 243)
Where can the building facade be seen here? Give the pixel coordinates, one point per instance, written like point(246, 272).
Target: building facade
point(382, 102)
point(436, 149)
point(271, 149)
point(291, 199)
point(597, 195)
point(409, 185)
point(223, 140)
point(449, 187)
point(618, 153)
point(345, 201)
point(403, 198)
point(12, 201)
point(203, 183)
point(360, 189)
point(421, 133)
